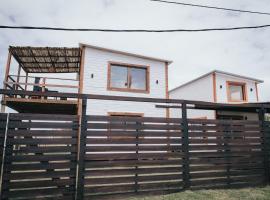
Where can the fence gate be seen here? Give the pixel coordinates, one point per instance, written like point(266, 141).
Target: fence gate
point(132, 155)
point(40, 156)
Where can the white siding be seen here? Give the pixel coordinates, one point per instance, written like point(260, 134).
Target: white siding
point(221, 80)
point(96, 63)
point(202, 90)
point(199, 90)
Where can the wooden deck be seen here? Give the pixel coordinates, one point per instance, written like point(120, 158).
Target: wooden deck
point(44, 106)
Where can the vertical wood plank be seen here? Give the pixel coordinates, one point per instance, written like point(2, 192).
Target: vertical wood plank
point(81, 152)
point(185, 148)
point(265, 145)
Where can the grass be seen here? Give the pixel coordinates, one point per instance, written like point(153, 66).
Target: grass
point(262, 193)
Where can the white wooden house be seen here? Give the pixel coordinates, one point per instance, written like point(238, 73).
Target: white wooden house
point(220, 87)
point(112, 72)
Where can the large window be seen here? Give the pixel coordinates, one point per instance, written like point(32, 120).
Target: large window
point(236, 92)
point(126, 77)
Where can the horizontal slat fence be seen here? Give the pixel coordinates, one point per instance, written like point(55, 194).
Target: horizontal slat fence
point(226, 153)
point(128, 155)
point(132, 155)
point(41, 157)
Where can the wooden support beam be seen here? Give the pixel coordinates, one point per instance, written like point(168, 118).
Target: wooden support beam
point(26, 81)
point(81, 76)
point(6, 78)
point(185, 147)
point(81, 152)
point(261, 114)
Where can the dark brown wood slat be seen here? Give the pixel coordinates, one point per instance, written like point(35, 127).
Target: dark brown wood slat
point(225, 122)
point(132, 171)
point(12, 133)
point(43, 183)
point(41, 166)
point(31, 116)
point(226, 180)
point(27, 194)
point(239, 147)
point(128, 163)
point(220, 128)
point(162, 177)
point(225, 174)
point(129, 156)
point(54, 149)
point(12, 141)
point(145, 133)
point(29, 158)
point(109, 180)
point(225, 140)
point(223, 134)
point(133, 119)
point(225, 160)
point(132, 126)
point(156, 186)
point(110, 189)
point(132, 141)
point(38, 175)
point(66, 125)
point(226, 154)
point(133, 148)
point(209, 167)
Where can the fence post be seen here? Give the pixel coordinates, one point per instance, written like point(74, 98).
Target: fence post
point(265, 145)
point(81, 153)
point(185, 147)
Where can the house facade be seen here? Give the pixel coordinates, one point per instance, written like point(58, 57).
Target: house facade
point(219, 87)
point(117, 73)
point(85, 69)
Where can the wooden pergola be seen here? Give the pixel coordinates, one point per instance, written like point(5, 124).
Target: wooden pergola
point(47, 59)
point(39, 60)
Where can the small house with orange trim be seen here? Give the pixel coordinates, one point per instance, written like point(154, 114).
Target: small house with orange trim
point(85, 69)
point(219, 87)
point(120, 73)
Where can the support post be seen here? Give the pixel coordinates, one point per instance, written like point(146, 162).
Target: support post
point(26, 81)
point(81, 152)
point(185, 147)
point(3, 103)
point(265, 145)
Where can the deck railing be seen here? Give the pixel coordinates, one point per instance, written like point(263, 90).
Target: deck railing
point(40, 84)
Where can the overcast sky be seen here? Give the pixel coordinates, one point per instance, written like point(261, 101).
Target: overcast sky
point(245, 52)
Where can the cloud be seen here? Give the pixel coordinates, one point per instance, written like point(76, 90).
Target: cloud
point(245, 52)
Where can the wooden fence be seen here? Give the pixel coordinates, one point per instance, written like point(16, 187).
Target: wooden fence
point(128, 155)
point(94, 157)
point(40, 156)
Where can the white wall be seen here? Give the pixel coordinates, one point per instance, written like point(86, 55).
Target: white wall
point(96, 63)
point(202, 90)
point(222, 92)
point(199, 90)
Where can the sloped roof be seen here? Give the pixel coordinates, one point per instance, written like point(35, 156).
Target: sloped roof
point(126, 53)
point(47, 59)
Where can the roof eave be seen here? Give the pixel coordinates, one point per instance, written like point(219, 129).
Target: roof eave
point(125, 53)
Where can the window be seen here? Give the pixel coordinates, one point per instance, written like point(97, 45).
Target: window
point(125, 124)
point(126, 77)
point(236, 91)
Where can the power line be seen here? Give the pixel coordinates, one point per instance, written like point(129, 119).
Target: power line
point(133, 30)
point(212, 7)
